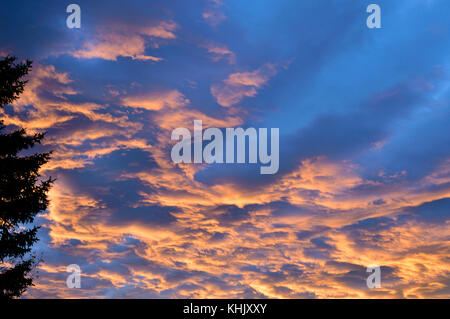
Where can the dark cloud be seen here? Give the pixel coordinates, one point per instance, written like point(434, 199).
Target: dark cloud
point(278, 234)
point(147, 215)
point(218, 237)
point(357, 278)
point(307, 234)
point(228, 214)
point(437, 211)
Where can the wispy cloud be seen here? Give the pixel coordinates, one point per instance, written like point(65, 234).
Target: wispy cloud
point(213, 13)
point(242, 84)
point(125, 41)
point(156, 100)
point(221, 52)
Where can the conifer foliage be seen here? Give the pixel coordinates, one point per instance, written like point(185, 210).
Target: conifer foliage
point(23, 194)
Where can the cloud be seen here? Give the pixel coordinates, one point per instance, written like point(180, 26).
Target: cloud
point(125, 41)
point(242, 84)
point(213, 13)
point(112, 46)
point(221, 52)
point(436, 211)
point(364, 171)
point(155, 101)
point(48, 94)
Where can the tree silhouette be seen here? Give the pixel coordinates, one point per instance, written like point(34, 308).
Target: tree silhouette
point(22, 193)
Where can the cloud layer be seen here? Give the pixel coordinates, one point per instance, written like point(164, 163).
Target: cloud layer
point(364, 160)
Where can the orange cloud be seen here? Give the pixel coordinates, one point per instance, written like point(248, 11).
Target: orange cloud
point(155, 101)
point(125, 41)
point(243, 84)
point(206, 242)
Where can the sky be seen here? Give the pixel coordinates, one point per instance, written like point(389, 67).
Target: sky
point(363, 115)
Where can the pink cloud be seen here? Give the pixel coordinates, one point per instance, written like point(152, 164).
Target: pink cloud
point(221, 52)
point(213, 13)
point(242, 84)
point(155, 101)
point(125, 41)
